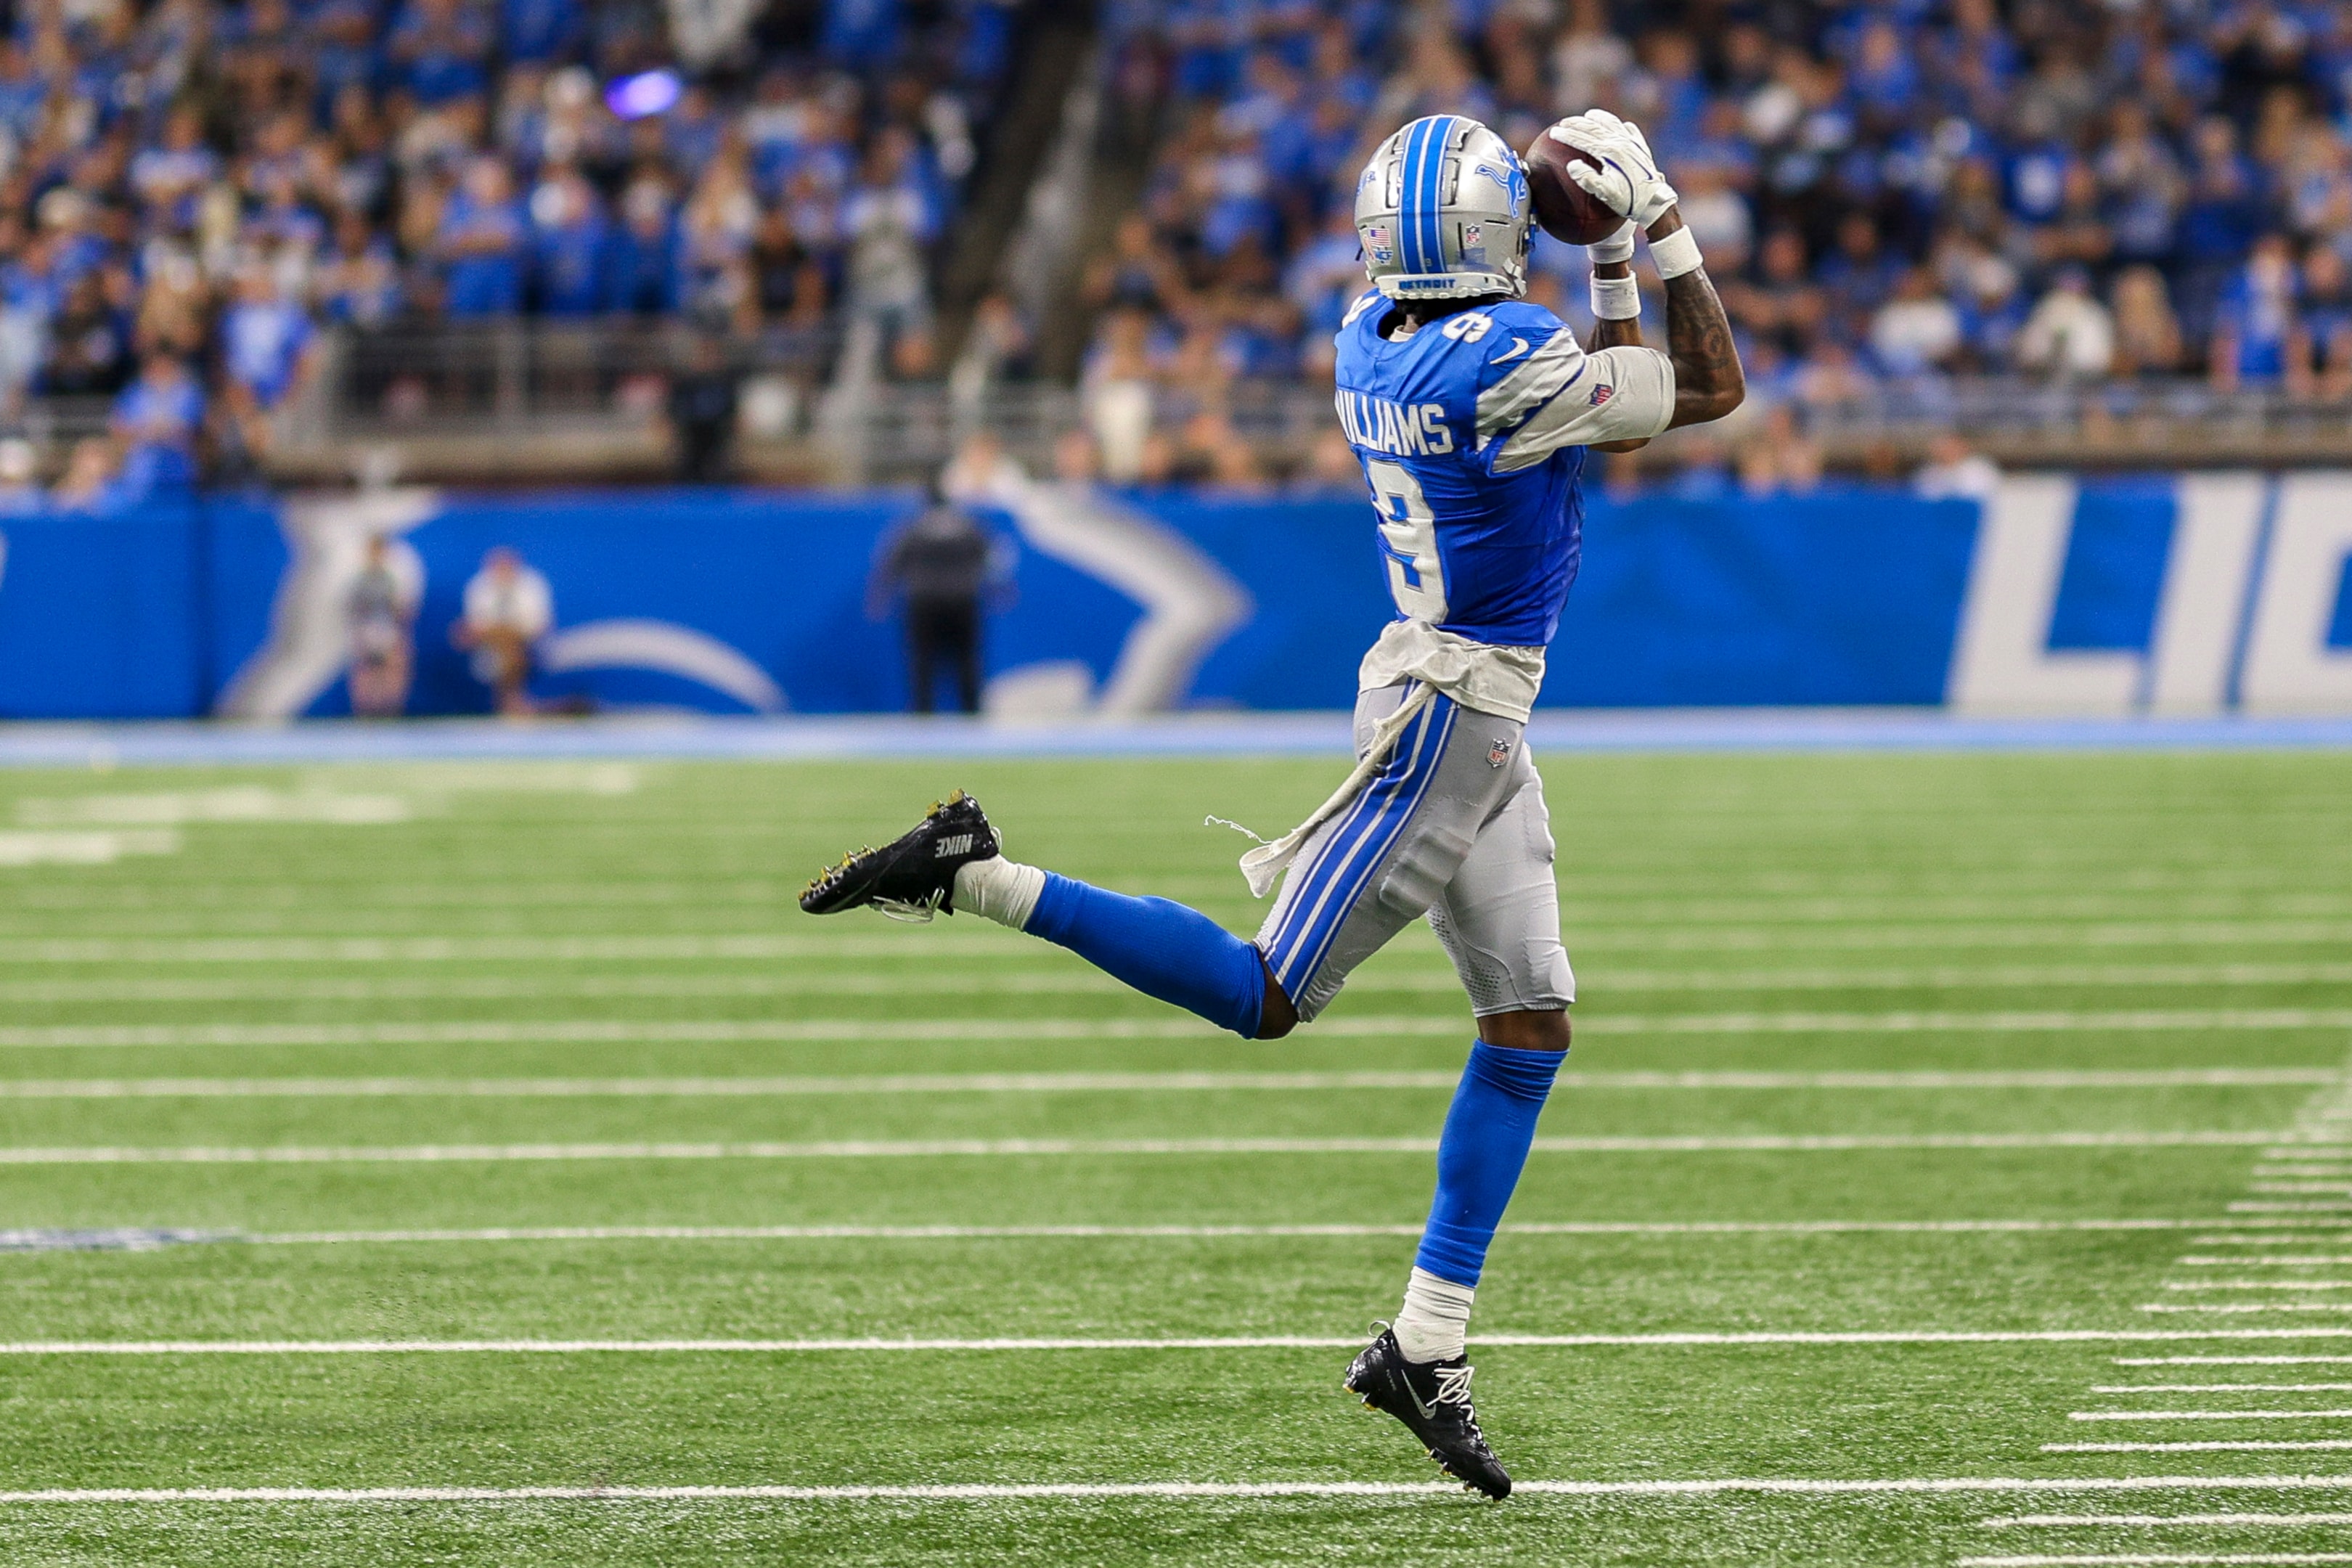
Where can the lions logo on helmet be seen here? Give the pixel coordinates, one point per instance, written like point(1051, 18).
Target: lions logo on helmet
point(1442, 212)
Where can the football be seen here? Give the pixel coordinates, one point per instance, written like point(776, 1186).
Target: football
point(1565, 209)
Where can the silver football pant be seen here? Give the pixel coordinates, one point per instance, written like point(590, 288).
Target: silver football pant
point(1452, 826)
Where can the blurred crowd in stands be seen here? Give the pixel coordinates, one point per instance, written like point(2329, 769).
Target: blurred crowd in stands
point(191, 189)
point(1889, 192)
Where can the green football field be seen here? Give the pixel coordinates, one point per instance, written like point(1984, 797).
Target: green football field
point(488, 1164)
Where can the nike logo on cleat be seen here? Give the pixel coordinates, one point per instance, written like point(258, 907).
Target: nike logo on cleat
point(959, 845)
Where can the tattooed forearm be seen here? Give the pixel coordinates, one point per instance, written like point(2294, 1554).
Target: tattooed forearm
point(1708, 382)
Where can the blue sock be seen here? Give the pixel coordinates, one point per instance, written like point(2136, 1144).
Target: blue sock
point(1161, 949)
point(1485, 1141)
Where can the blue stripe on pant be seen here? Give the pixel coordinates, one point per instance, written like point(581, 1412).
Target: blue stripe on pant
point(1330, 886)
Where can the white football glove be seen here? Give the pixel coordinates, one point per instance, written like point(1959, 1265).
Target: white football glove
point(1627, 180)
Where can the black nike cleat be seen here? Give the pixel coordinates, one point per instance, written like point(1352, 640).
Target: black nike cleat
point(1433, 1399)
point(913, 875)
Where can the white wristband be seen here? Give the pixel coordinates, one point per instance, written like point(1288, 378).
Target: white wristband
point(1676, 254)
point(1618, 247)
point(1616, 299)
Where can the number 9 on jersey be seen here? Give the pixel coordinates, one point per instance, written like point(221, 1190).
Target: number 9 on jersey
point(1409, 541)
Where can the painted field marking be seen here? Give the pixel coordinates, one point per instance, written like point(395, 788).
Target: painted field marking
point(2263, 1206)
point(1050, 975)
point(1042, 1148)
point(2308, 1261)
point(725, 1031)
point(1196, 1342)
point(1015, 1492)
point(2079, 1521)
point(2233, 1360)
point(2209, 1415)
point(767, 947)
point(788, 1085)
point(2301, 1189)
point(978, 1232)
point(2310, 1445)
point(2245, 1307)
point(2259, 1284)
point(2223, 1388)
point(2157, 1559)
point(2073, 1522)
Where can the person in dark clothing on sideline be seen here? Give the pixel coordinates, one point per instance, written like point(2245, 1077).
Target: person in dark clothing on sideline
point(941, 563)
point(702, 413)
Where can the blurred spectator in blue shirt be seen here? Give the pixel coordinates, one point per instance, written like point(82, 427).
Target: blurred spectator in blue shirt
point(441, 49)
point(2319, 348)
point(481, 244)
point(641, 261)
point(568, 239)
point(265, 352)
point(538, 29)
point(2255, 317)
point(157, 420)
point(358, 280)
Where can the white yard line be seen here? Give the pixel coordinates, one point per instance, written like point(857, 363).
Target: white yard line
point(978, 1232)
point(2223, 1388)
point(2248, 1445)
point(1179, 1342)
point(1038, 970)
point(2259, 1284)
point(2308, 1261)
point(2081, 1521)
point(2158, 1560)
point(1097, 1082)
point(2209, 1415)
point(709, 1030)
point(1044, 1491)
point(771, 946)
point(1099, 1148)
point(2232, 1360)
point(2242, 1308)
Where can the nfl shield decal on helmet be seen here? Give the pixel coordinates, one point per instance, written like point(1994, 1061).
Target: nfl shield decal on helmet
point(1473, 243)
point(1376, 242)
point(1498, 753)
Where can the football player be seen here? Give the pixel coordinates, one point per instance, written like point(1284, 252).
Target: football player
point(1471, 411)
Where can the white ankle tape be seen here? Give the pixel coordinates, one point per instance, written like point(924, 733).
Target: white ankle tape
point(999, 889)
point(1435, 1319)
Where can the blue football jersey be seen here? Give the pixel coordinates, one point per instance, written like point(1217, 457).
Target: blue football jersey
point(1481, 518)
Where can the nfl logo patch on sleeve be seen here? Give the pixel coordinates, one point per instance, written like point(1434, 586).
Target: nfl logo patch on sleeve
point(1601, 394)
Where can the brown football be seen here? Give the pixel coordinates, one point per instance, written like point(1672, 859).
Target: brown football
point(1565, 208)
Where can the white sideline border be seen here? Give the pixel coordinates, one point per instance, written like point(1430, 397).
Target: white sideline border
point(2160, 1560)
point(1103, 1148)
point(770, 947)
point(1051, 1491)
point(1171, 1082)
point(1015, 1232)
point(1695, 1340)
point(2080, 1520)
point(711, 1031)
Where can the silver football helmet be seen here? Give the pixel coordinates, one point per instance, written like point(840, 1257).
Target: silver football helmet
point(1442, 212)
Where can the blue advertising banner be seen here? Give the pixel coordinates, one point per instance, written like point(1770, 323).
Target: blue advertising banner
point(2199, 594)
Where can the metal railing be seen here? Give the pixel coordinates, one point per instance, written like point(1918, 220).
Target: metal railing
point(543, 400)
point(514, 375)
